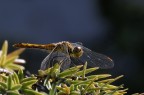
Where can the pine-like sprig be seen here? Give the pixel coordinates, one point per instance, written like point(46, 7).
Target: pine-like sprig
point(8, 61)
point(76, 80)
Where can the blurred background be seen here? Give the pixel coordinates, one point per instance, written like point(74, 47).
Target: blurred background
point(111, 27)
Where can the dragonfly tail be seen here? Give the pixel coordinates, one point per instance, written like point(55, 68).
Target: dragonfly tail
point(28, 45)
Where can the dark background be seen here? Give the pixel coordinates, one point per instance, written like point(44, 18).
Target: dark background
point(112, 27)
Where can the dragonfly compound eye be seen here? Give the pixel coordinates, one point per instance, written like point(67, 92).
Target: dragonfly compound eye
point(77, 51)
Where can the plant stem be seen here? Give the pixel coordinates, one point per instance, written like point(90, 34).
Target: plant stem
point(53, 90)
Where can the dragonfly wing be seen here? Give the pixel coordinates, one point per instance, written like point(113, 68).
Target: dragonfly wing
point(79, 43)
point(56, 56)
point(76, 61)
point(95, 59)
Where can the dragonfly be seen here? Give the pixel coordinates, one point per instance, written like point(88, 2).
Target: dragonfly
point(69, 54)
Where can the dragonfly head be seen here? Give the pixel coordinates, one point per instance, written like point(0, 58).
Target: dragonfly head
point(77, 52)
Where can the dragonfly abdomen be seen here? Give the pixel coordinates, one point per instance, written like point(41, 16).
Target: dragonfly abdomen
point(40, 46)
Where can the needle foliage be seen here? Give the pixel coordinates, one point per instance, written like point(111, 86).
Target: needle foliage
point(52, 81)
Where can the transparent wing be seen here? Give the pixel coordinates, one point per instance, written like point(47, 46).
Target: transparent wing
point(94, 59)
point(57, 56)
point(76, 61)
